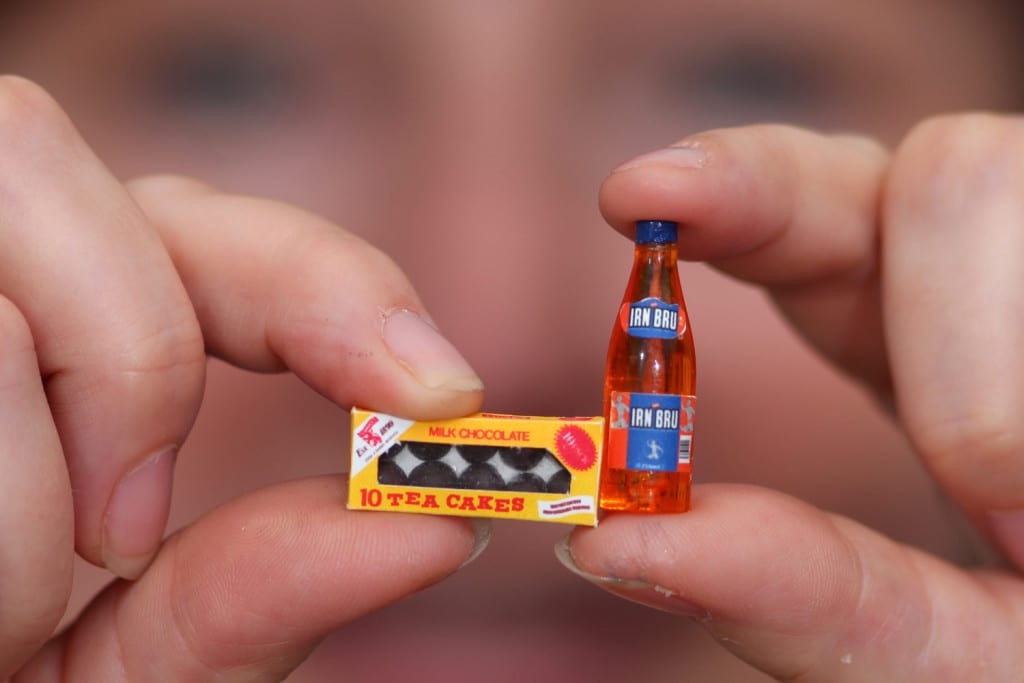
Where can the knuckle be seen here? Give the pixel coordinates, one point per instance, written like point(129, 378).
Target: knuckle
point(970, 139)
point(14, 330)
point(731, 143)
point(325, 249)
point(19, 352)
point(21, 99)
point(28, 114)
point(946, 160)
point(978, 454)
point(161, 369)
point(159, 366)
point(168, 347)
point(868, 147)
point(165, 184)
point(776, 139)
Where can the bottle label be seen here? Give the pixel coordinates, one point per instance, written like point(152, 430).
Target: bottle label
point(652, 318)
point(651, 432)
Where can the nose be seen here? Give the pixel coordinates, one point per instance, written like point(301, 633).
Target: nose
point(496, 230)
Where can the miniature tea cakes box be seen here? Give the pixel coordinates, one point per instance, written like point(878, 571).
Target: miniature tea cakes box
point(485, 465)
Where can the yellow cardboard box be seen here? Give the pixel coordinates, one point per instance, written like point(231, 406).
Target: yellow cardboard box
point(485, 465)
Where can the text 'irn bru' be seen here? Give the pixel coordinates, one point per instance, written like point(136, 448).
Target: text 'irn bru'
point(650, 384)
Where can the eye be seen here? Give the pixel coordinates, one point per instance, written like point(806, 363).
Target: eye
point(224, 77)
point(753, 83)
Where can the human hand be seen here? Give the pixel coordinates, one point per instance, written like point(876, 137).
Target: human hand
point(904, 268)
point(106, 313)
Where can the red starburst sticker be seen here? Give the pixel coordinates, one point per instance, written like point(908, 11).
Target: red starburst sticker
point(575, 448)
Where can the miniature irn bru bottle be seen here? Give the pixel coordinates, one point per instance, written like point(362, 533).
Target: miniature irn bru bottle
point(649, 386)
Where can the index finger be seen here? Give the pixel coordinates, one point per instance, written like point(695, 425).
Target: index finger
point(779, 206)
point(275, 287)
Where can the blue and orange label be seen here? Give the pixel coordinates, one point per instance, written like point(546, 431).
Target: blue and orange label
point(652, 318)
point(650, 432)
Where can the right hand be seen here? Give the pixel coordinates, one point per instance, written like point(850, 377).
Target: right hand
point(903, 267)
point(110, 299)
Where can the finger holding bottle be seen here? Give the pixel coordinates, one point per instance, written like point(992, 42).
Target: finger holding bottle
point(847, 238)
point(787, 208)
point(904, 271)
point(805, 595)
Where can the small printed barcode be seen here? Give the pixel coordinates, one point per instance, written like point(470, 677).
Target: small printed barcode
point(684, 449)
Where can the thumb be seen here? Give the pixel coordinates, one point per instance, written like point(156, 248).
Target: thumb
point(246, 592)
point(805, 595)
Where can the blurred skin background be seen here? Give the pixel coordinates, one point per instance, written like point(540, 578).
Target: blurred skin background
point(467, 140)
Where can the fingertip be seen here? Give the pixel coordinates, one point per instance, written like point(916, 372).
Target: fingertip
point(794, 591)
point(161, 185)
point(719, 186)
point(136, 515)
point(444, 384)
point(30, 120)
point(426, 354)
point(644, 192)
point(482, 531)
point(635, 590)
point(647, 185)
point(746, 554)
point(772, 204)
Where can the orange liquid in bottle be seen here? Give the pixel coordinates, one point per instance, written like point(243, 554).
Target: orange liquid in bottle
point(650, 385)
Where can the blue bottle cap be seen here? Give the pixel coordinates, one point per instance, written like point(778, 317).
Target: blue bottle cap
point(656, 232)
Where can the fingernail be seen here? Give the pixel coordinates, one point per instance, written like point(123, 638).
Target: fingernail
point(689, 156)
point(428, 356)
point(482, 529)
point(137, 514)
point(636, 590)
point(1008, 527)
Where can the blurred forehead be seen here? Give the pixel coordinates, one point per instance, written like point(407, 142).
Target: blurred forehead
point(907, 21)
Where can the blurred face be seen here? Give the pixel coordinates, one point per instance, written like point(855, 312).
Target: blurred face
point(467, 140)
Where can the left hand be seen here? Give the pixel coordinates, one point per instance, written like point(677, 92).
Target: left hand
point(110, 298)
point(906, 269)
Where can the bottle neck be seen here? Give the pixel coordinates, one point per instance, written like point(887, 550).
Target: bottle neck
point(655, 272)
point(665, 255)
